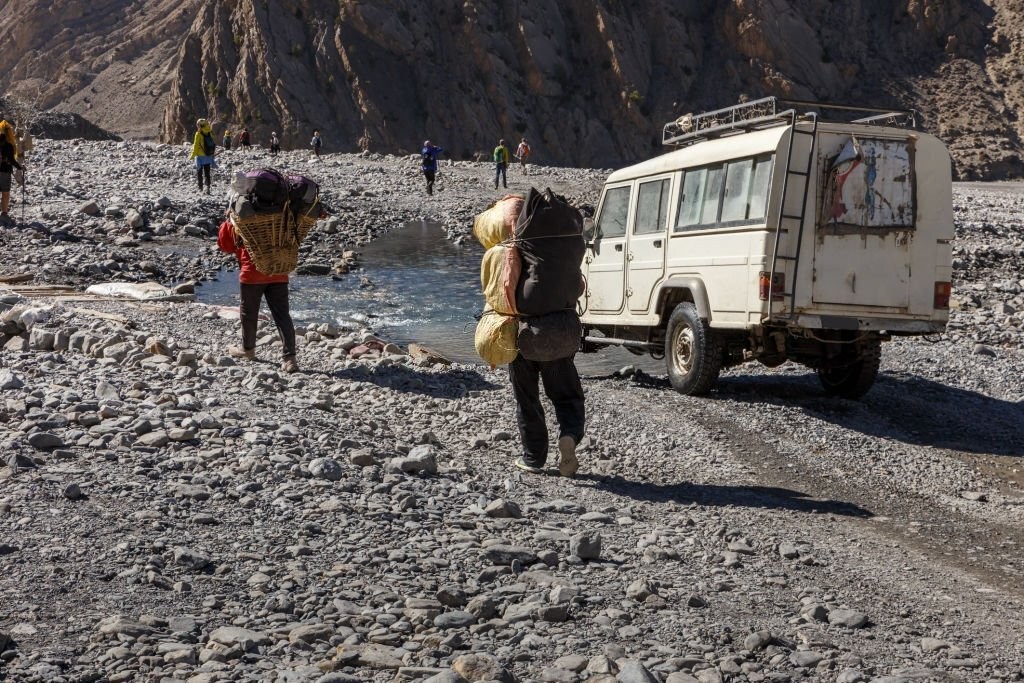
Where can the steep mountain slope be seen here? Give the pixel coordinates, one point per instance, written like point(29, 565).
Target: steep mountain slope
point(590, 82)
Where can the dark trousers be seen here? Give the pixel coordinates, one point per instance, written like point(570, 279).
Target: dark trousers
point(201, 172)
point(277, 301)
point(499, 172)
point(562, 386)
point(429, 175)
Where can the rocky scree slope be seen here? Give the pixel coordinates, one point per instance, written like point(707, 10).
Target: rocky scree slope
point(590, 83)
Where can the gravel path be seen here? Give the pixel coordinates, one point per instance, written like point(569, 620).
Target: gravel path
point(168, 514)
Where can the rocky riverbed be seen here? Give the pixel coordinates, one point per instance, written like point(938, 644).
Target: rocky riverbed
point(168, 514)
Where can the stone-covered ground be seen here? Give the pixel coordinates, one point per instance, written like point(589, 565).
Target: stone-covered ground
point(168, 514)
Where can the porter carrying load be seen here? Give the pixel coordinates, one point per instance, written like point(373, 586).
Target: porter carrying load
point(531, 279)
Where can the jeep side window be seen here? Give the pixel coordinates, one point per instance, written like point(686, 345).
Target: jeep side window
point(737, 189)
point(759, 188)
point(612, 222)
point(688, 215)
point(651, 207)
point(712, 196)
point(736, 192)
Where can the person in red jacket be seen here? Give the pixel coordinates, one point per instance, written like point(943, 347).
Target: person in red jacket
point(255, 286)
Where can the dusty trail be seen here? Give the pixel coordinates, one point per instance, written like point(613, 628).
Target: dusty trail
point(821, 455)
point(908, 547)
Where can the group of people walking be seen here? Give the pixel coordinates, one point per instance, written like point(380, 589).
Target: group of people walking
point(204, 154)
point(500, 156)
point(204, 149)
point(245, 140)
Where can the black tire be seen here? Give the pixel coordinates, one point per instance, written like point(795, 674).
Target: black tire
point(854, 380)
point(693, 352)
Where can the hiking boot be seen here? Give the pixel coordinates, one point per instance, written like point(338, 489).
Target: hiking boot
point(567, 462)
point(239, 352)
point(527, 467)
point(5, 220)
point(289, 365)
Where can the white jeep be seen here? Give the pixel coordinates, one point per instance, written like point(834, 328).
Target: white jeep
point(773, 235)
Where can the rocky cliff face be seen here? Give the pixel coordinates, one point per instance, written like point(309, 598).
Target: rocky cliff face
point(589, 82)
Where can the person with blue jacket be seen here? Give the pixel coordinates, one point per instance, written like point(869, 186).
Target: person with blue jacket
point(429, 157)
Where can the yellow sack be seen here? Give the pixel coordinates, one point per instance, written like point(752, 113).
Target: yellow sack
point(499, 273)
point(498, 222)
point(495, 339)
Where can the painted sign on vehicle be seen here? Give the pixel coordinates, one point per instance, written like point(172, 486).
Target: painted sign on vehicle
point(870, 186)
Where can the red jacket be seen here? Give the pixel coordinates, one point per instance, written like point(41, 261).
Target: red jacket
point(249, 275)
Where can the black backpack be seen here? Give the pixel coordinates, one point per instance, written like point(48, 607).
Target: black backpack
point(428, 157)
point(303, 194)
point(266, 189)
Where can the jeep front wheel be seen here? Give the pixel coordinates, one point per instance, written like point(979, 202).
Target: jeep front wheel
point(693, 351)
point(853, 381)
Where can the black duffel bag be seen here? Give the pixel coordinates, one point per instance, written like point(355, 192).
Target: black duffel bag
point(549, 235)
point(550, 336)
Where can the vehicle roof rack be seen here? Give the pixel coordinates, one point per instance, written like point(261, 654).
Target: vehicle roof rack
point(739, 118)
point(768, 112)
point(900, 118)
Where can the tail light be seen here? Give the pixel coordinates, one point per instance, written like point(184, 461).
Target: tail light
point(942, 292)
point(776, 283)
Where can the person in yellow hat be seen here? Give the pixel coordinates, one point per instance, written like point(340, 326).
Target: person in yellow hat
point(8, 162)
point(203, 150)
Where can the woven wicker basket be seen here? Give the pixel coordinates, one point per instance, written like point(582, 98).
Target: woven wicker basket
point(272, 241)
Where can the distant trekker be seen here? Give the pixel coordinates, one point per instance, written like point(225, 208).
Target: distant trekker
point(522, 152)
point(316, 143)
point(203, 151)
point(275, 143)
point(227, 139)
point(243, 138)
point(428, 156)
point(501, 158)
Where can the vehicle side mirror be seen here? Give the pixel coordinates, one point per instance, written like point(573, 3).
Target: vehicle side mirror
point(589, 231)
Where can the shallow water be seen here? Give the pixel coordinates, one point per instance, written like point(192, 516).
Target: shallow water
point(415, 285)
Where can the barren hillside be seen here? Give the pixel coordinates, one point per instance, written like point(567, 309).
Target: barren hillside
point(589, 81)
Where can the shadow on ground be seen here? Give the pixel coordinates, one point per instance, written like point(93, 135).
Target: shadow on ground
point(451, 384)
point(900, 406)
point(713, 495)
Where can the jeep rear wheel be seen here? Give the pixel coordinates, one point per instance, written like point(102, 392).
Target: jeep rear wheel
point(693, 352)
point(854, 380)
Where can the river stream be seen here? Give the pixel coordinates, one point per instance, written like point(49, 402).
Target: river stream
point(414, 285)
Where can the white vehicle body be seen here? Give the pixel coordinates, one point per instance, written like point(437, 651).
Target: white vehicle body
point(811, 246)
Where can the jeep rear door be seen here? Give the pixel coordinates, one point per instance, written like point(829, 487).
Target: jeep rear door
point(606, 273)
point(866, 224)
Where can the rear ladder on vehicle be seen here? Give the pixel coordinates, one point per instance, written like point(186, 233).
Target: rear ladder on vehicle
point(797, 181)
